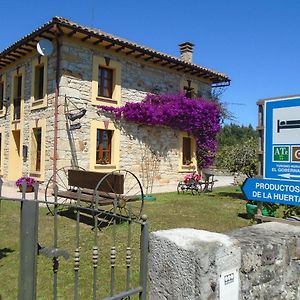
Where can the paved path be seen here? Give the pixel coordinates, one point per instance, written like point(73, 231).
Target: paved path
point(13, 192)
point(221, 181)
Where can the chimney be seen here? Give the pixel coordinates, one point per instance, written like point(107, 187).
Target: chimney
point(186, 51)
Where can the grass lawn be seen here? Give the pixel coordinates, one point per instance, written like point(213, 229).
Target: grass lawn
point(219, 211)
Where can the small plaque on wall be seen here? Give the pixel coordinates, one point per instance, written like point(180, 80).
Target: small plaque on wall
point(229, 285)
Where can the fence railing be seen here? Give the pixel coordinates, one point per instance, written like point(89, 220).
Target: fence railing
point(30, 248)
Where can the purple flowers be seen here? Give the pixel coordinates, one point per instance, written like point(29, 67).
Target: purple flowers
point(198, 117)
point(28, 180)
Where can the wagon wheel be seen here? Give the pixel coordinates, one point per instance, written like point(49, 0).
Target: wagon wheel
point(181, 187)
point(60, 178)
point(125, 189)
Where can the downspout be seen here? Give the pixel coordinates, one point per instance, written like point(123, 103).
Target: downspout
point(57, 77)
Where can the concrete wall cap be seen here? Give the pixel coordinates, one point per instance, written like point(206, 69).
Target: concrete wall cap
point(188, 238)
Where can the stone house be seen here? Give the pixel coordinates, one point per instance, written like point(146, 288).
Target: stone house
point(86, 68)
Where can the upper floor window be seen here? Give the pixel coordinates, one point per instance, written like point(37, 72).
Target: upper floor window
point(103, 146)
point(186, 151)
point(105, 82)
point(39, 82)
point(0, 150)
point(17, 97)
point(1, 94)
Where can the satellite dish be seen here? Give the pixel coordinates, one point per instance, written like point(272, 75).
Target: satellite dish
point(44, 47)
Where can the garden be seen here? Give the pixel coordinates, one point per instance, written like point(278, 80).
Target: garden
point(221, 210)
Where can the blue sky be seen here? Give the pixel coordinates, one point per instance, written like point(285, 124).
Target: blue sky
point(255, 42)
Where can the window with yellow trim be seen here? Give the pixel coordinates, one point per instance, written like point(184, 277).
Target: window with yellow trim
point(106, 81)
point(1, 94)
point(17, 97)
point(39, 83)
point(36, 149)
point(1, 151)
point(187, 153)
point(104, 146)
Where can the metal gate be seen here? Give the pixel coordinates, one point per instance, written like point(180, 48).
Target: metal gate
point(115, 269)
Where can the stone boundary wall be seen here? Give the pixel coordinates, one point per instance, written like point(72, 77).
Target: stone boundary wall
point(256, 262)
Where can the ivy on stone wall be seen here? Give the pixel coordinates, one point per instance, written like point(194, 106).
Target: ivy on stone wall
point(197, 117)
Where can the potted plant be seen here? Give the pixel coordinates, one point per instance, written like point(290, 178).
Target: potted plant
point(29, 181)
point(268, 209)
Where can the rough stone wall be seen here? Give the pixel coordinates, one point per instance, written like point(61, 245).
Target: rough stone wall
point(270, 266)
point(188, 263)
point(136, 81)
point(75, 82)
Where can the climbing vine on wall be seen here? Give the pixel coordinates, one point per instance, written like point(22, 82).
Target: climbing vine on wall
point(198, 117)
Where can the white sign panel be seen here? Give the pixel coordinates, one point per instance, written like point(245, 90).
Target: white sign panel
point(229, 285)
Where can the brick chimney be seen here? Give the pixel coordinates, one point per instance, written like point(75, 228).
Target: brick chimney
point(186, 51)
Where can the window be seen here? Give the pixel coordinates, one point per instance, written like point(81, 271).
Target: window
point(103, 146)
point(17, 97)
point(186, 151)
point(189, 88)
point(1, 94)
point(105, 82)
point(39, 82)
point(0, 150)
point(36, 149)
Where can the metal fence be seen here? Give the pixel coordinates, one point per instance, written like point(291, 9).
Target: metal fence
point(123, 259)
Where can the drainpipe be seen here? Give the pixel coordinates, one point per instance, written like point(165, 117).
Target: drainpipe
point(57, 77)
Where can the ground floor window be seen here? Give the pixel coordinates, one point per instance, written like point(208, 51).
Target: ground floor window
point(36, 149)
point(1, 141)
point(104, 146)
point(186, 151)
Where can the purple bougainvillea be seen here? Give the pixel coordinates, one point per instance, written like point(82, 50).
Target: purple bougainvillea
point(198, 117)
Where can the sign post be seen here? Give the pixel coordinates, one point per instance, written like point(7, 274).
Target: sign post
point(282, 139)
point(281, 176)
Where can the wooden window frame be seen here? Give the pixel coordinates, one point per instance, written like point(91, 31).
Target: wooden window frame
point(17, 99)
point(99, 97)
point(39, 82)
point(1, 94)
point(105, 82)
point(38, 148)
point(186, 151)
point(103, 156)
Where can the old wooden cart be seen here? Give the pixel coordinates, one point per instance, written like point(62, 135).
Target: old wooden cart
point(118, 192)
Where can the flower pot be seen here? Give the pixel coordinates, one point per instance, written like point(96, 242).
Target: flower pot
point(149, 198)
point(251, 210)
point(29, 189)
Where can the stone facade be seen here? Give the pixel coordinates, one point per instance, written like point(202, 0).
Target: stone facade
point(137, 142)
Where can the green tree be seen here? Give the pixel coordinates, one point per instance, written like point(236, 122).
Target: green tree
point(233, 134)
point(239, 158)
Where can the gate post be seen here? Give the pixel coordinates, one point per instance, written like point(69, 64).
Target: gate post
point(144, 257)
point(28, 248)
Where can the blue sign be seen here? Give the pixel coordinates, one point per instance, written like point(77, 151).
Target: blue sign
point(274, 191)
point(282, 139)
